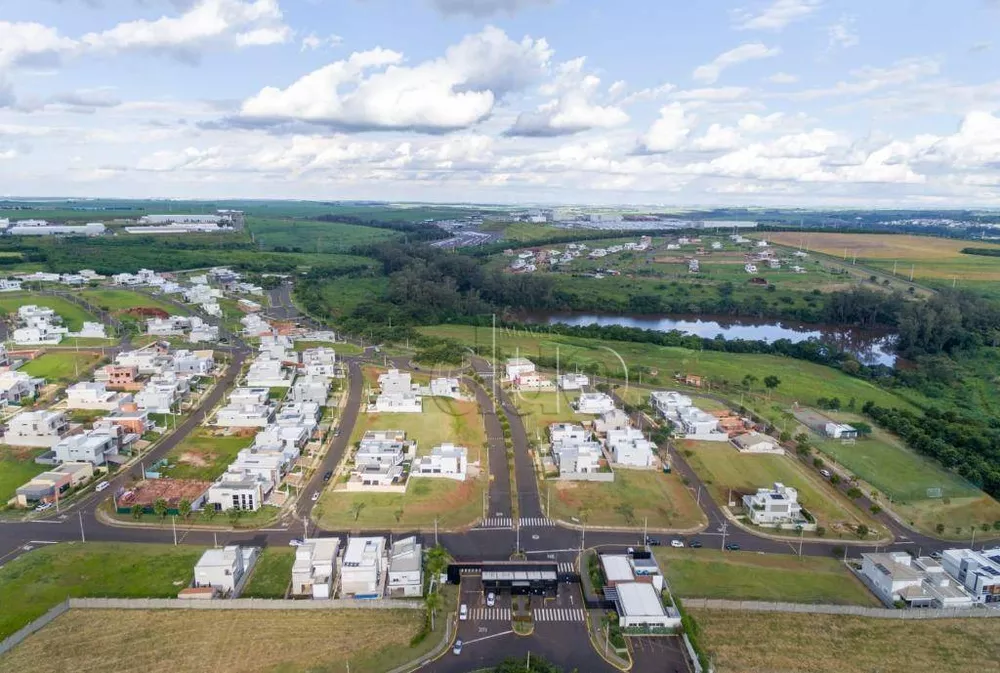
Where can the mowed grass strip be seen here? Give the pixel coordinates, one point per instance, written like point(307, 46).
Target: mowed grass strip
point(271, 574)
point(635, 497)
point(742, 576)
point(17, 466)
point(73, 315)
point(204, 454)
point(34, 582)
point(62, 366)
point(122, 300)
point(759, 642)
point(230, 641)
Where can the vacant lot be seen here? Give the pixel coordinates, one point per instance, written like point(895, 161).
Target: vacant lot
point(121, 300)
point(454, 504)
point(33, 583)
point(443, 420)
point(73, 316)
point(62, 366)
point(204, 454)
point(313, 236)
point(724, 470)
point(17, 465)
point(710, 573)
point(634, 497)
point(92, 641)
point(539, 410)
point(741, 642)
point(272, 574)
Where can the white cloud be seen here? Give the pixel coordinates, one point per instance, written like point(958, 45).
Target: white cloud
point(712, 94)
point(8, 154)
point(312, 42)
point(206, 23)
point(710, 72)
point(752, 123)
point(717, 137)
point(843, 34)
point(374, 90)
point(667, 133)
point(976, 144)
point(649, 93)
point(775, 16)
point(868, 79)
point(573, 110)
point(782, 78)
point(484, 8)
point(31, 44)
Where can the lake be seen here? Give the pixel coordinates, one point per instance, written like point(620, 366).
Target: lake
point(869, 346)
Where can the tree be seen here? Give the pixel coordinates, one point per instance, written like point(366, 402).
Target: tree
point(802, 438)
point(875, 509)
point(184, 508)
point(820, 531)
point(748, 381)
point(818, 463)
point(433, 603)
point(996, 525)
point(771, 382)
point(940, 529)
point(862, 531)
point(208, 512)
point(160, 508)
point(398, 515)
point(864, 429)
point(356, 509)
point(854, 493)
point(136, 512)
point(834, 479)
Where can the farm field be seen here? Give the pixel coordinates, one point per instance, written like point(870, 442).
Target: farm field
point(271, 574)
point(314, 236)
point(73, 315)
point(34, 582)
point(801, 382)
point(122, 300)
point(17, 465)
point(62, 366)
point(740, 642)
point(710, 573)
point(724, 469)
point(205, 455)
point(634, 496)
point(89, 641)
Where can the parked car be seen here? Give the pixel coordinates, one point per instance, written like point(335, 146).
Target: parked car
point(44, 506)
point(101, 486)
point(458, 647)
point(825, 473)
point(491, 599)
point(695, 544)
point(328, 475)
point(463, 612)
point(315, 496)
point(677, 543)
point(295, 542)
point(732, 546)
point(652, 541)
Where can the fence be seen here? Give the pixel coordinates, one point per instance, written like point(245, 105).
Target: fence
point(15, 638)
point(802, 608)
point(239, 604)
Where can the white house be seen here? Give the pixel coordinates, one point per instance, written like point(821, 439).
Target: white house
point(446, 387)
point(406, 575)
point(756, 442)
point(10, 285)
point(244, 416)
point(630, 447)
point(689, 419)
point(36, 428)
point(173, 325)
point(448, 461)
point(243, 396)
point(594, 403)
point(268, 374)
point(398, 403)
point(94, 395)
point(917, 582)
point(362, 567)
point(148, 360)
point(840, 431)
point(224, 569)
point(161, 393)
point(394, 381)
point(197, 363)
point(978, 572)
point(517, 367)
point(38, 335)
point(775, 507)
point(319, 362)
point(616, 419)
point(17, 386)
point(90, 330)
point(93, 447)
point(639, 604)
point(203, 332)
point(567, 433)
point(532, 381)
point(310, 389)
point(577, 458)
point(572, 381)
point(238, 490)
point(314, 568)
point(263, 465)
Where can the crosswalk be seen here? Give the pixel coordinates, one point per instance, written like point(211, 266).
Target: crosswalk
point(566, 567)
point(536, 522)
point(497, 522)
point(490, 614)
point(559, 614)
point(524, 522)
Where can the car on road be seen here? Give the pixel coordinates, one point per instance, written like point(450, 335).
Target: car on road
point(328, 475)
point(458, 647)
point(463, 612)
point(336, 433)
point(825, 473)
point(295, 542)
point(732, 546)
point(315, 496)
point(652, 542)
point(677, 543)
point(696, 544)
point(44, 506)
point(101, 486)
point(491, 599)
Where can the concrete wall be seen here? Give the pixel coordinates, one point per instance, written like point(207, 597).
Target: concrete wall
point(18, 636)
point(587, 476)
point(239, 604)
point(876, 613)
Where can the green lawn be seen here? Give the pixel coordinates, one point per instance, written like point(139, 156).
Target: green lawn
point(62, 366)
point(120, 300)
point(204, 455)
point(539, 410)
point(314, 236)
point(711, 573)
point(73, 315)
point(725, 470)
point(34, 582)
point(272, 574)
point(16, 467)
point(443, 420)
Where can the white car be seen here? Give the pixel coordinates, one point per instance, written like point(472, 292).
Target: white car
point(44, 506)
point(491, 599)
point(101, 486)
point(676, 543)
point(315, 496)
point(463, 612)
point(295, 542)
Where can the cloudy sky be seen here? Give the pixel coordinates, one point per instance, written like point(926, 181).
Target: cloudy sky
point(771, 102)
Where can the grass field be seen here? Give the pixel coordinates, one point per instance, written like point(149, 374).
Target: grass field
point(710, 573)
point(62, 366)
point(634, 496)
point(443, 420)
point(740, 642)
point(204, 455)
point(539, 409)
point(34, 582)
point(314, 236)
point(801, 381)
point(272, 574)
point(121, 300)
point(247, 641)
point(17, 465)
point(725, 470)
point(73, 316)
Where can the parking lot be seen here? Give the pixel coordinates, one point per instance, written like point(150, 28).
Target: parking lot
point(658, 654)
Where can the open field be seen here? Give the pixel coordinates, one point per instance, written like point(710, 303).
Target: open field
point(246, 641)
point(62, 366)
point(34, 582)
point(17, 465)
point(724, 470)
point(204, 455)
point(801, 381)
point(443, 420)
point(73, 316)
point(121, 300)
point(314, 236)
point(272, 574)
point(710, 573)
point(540, 409)
point(740, 642)
point(453, 503)
point(634, 496)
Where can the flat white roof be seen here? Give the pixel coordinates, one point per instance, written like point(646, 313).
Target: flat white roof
point(617, 568)
point(637, 599)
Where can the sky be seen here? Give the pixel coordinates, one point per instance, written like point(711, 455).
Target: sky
point(825, 103)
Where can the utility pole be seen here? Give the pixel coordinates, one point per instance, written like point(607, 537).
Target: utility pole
point(558, 396)
point(435, 531)
point(644, 522)
point(801, 531)
point(494, 355)
point(548, 500)
point(517, 530)
point(583, 537)
point(973, 543)
point(173, 525)
point(725, 527)
point(83, 537)
point(698, 499)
